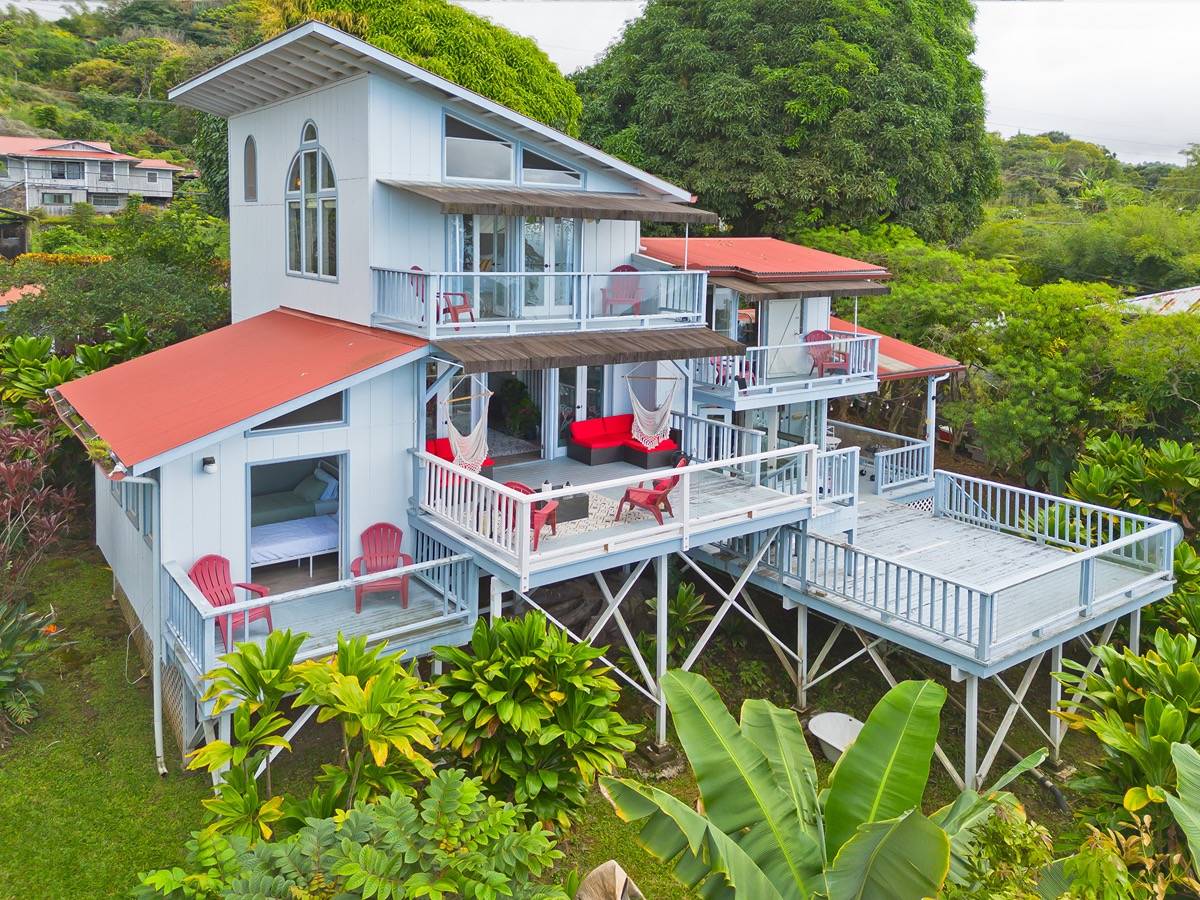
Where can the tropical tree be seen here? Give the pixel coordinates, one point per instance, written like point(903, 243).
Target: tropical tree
point(767, 831)
point(776, 112)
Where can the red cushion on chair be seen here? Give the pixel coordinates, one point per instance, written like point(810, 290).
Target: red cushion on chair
point(662, 446)
point(585, 430)
point(619, 425)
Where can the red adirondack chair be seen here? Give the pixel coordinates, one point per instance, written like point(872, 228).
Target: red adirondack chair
point(456, 304)
point(825, 358)
point(211, 574)
point(653, 499)
point(540, 515)
point(381, 551)
point(622, 294)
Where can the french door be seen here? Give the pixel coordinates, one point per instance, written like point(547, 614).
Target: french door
point(549, 253)
point(581, 395)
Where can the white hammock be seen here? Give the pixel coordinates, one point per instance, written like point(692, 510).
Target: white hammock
point(471, 449)
point(651, 426)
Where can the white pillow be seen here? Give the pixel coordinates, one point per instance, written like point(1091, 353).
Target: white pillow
point(331, 484)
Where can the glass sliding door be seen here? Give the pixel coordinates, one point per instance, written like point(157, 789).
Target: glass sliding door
point(549, 253)
point(480, 248)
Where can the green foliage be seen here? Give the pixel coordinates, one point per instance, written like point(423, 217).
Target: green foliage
point(687, 613)
point(1137, 706)
point(766, 831)
point(830, 112)
point(1005, 858)
point(456, 841)
point(532, 713)
point(24, 637)
point(451, 42)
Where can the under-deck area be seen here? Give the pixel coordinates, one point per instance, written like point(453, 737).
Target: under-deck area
point(981, 581)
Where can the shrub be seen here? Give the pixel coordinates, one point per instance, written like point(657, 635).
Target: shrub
point(24, 636)
point(533, 714)
point(1137, 706)
point(455, 842)
point(1005, 858)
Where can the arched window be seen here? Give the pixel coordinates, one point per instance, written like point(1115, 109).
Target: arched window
point(250, 171)
point(311, 210)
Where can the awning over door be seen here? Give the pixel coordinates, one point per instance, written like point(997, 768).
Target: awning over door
point(789, 290)
point(507, 201)
point(552, 351)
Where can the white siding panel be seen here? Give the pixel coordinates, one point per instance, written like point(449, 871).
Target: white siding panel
point(126, 551)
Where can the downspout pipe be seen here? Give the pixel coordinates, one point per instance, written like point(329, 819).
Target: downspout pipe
point(120, 474)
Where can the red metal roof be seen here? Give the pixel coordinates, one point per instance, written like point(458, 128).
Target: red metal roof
point(157, 164)
point(898, 359)
point(48, 147)
point(759, 259)
point(174, 396)
point(12, 295)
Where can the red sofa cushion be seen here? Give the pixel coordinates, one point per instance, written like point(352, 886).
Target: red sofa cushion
point(440, 447)
point(621, 425)
point(662, 446)
point(586, 430)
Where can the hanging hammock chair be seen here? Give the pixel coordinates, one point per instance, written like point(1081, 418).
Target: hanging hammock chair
point(470, 449)
point(651, 426)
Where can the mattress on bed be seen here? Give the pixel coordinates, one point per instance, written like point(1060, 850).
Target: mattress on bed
point(285, 506)
point(294, 539)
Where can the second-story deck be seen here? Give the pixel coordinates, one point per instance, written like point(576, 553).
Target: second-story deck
point(471, 304)
point(729, 487)
point(837, 366)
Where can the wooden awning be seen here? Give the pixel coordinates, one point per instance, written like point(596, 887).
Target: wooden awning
point(510, 201)
point(786, 290)
point(504, 353)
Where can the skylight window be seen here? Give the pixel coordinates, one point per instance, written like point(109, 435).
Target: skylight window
point(474, 153)
point(538, 169)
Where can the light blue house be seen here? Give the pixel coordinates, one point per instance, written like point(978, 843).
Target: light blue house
point(446, 320)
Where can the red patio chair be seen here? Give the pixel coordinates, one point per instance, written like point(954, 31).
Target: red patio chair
point(211, 575)
point(456, 304)
point(653, 499)
point(381, 551)
point(825, 358)
point(539, 515)
point(622, 293)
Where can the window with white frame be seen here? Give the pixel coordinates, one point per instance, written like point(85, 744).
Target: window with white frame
point(250, 171)
point(107, 170)
point(477, 154)
point(311, 210)
point(538, 169)
point(63, 169)
point(3, 167)
point(56, 199)
point(152, 177)
point(133, 502)
point(110, 201)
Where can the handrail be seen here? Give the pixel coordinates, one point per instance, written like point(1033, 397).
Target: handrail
point(854, 426)
point(751, 373)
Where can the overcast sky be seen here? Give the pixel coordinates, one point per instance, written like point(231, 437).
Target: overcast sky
point(1123, 73)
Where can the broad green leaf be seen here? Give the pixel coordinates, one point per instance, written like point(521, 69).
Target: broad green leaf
point(901, 859)
point(1186, 806)
point(883, 772)
point(1053, 882)
point(777, 733)
point(698, 851)
point(741, 795)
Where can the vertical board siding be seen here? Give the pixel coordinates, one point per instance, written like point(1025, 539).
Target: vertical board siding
point(125, 550)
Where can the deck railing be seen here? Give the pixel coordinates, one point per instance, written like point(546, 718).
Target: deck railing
point(191, 621)
point(708, 440)
point(497, 520)
point(790, 368)
point(837, 477)
point(899, 460)
point(522, 302)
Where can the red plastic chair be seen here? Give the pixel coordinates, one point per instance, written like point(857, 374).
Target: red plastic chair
point(455, 310)
point(825, 359)
point(381, 551)
point(211, 575)
point(539, 515)
point(624, 293)
point(653, 499)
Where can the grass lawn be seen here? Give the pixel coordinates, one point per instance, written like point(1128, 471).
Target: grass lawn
point(83, 809)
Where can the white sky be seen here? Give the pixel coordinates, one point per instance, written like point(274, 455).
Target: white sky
point(1122, 73)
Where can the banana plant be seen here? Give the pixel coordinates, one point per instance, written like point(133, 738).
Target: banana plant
point(768, 831)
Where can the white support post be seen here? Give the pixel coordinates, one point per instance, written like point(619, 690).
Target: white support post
point(660, 648)
point(1056, 724)
point(1135, 631)
point(495, 599)
point(802, 652)
point(971, 729)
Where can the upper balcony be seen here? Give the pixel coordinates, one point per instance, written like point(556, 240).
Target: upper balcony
point(456, 304)
point(823, 365)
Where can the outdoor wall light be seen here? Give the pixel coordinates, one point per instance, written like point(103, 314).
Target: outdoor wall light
point(209, 465)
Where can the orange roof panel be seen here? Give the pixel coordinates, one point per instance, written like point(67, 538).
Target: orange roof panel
point(899, 359)
point(759, 259)
point(169, 398)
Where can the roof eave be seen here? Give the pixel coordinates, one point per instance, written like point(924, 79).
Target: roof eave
point(394, 64)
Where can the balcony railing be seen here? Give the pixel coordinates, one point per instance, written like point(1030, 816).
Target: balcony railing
point(497, 520)
point(896, 460)
point(845, 358)
point(454, 304)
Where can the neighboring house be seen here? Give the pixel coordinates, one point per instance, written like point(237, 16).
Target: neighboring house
point(446, 320)
point(1175, 301)
point(53, 175)
point(12, 295)
point(16, 232)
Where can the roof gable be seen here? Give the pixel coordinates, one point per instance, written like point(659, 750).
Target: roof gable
point(314, 55)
